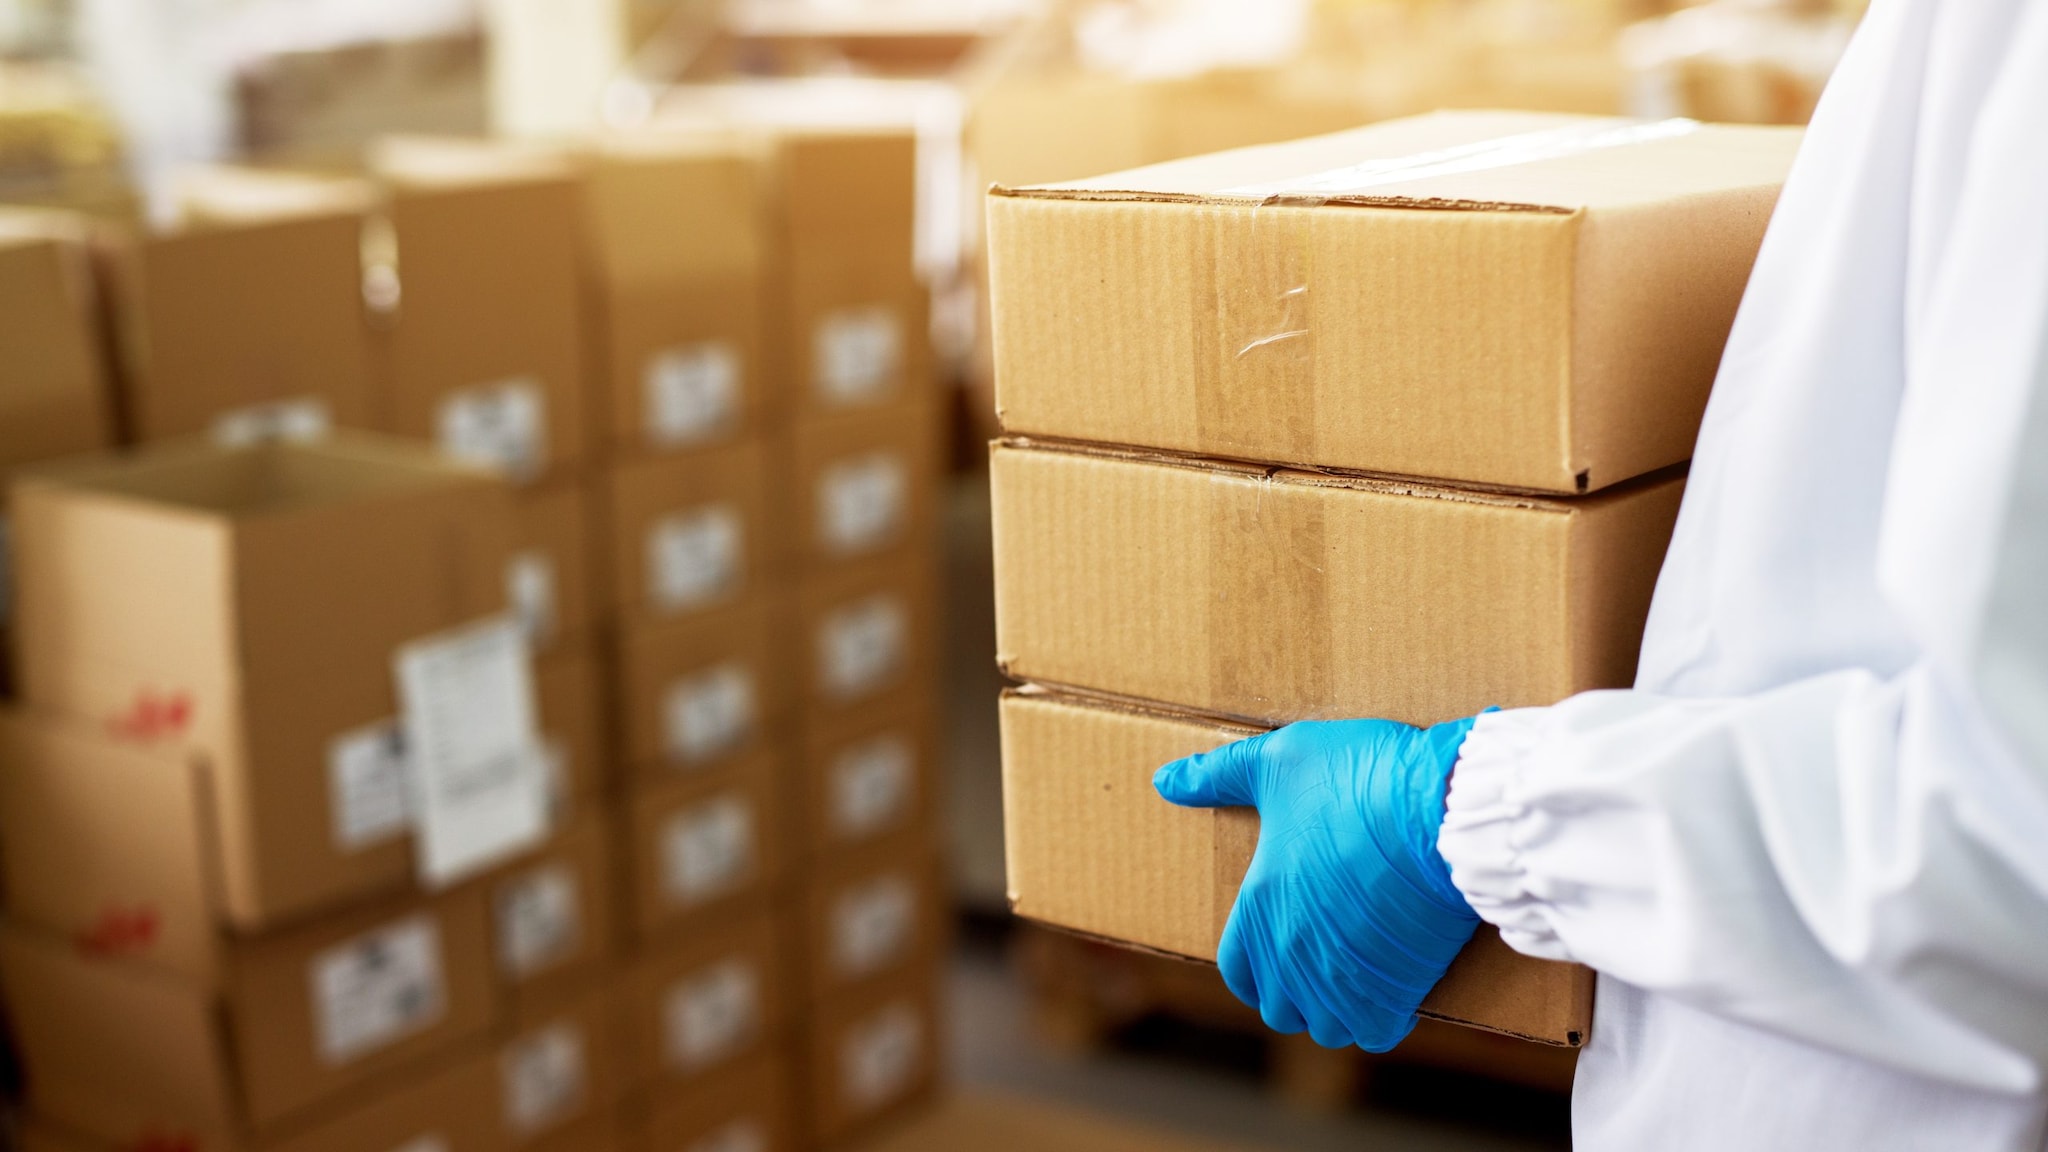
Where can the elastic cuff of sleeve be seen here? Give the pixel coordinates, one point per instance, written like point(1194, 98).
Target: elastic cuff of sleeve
point(1483, 814)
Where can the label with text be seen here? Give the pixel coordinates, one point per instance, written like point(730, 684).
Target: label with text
point(692, 393)
point(501, 425)
point(378, 989)
point(530, 592)
point(545, 1079)
point(540, 921)
point(696, 558)
point(863, 503)
point(300, 420)
point(708, 851)
point(859, 354)
point(879, 1058)
point(710, 714)
point(712, 1016)
point(862, 648)
point(873, 926)
point(872, 785)
point(369, 786)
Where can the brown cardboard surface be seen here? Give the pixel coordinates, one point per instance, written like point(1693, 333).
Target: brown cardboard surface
point(252, 298)
point(874, 914)
point(1202, 306)
point(862, 483)
point(698, 693)
point(55, 399)
point(865, 776)
point(561, 1075)
point(690, 533)
point(1274, 596)
point(120, 1050)
point(552, 930)
point(679, 252)
point(1091, 848)
point(569, 692)
point(282, 580)
point(865, 633)
point(872, 1056)
point(551, 580)
point(488, 264)
point(698, 1005)
point(703, 847)
point(744, 1106)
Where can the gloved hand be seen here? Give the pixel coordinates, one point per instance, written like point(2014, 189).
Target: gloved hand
point(1348, 916)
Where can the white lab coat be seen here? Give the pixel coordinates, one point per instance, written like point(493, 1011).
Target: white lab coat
point(1809, 852)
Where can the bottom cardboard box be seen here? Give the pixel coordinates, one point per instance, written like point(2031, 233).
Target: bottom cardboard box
point(745, 1107)
point(1092, 849)
point(871, 1057)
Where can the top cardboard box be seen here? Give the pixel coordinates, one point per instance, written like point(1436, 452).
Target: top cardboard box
point(244, 315)
point(1513, 300)
point(249, 602)
point(53, 398)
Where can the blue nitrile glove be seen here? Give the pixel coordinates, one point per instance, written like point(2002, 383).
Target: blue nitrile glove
point(1348, 916)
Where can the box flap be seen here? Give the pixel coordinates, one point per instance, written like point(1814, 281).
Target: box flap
point(1475, 160)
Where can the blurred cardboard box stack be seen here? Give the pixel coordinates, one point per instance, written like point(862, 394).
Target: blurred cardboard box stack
point(276, 817)
point(1251, 475)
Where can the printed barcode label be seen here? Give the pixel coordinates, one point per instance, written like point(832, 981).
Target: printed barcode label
point(501, 425)
point(708, 850)
point(694, 558)
point(299, 420)
point(872, 926)
point(530, 590)
point(544, 1077)
point(377, 989)
point(692, 392)
point(709, 714)
point(879, 1057)
point(368, 785)
point(739, 1136)
point(861, 648)
point(540, 921)
point(712, 1016)
point(861, 502)
point(871, 785)
point(859, 354)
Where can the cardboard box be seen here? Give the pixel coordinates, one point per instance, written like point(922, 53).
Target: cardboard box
point(485, 353)
point(244, 318)
point(701, 848)
point(865, 635)
point(119, 1050)
point(698, 693)
point(552, 929)
point(680, 256)
point(55, 400)
point(746, 1106)
point(690, 533)
point(561, 1076)
point(702, 1005)
point(1288, 303)
point(454, 1109)
point(871, 1057)
point(1273, 596)
point(283, 578)
point(1092, 849)
point(874, 914)
point(569, 691)
point(865, 777)
point(551, 581)
point(863, 483)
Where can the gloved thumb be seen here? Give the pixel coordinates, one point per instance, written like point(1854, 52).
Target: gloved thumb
point(1223, 778)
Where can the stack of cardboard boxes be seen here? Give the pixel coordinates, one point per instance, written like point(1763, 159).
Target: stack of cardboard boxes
point(1388, 423)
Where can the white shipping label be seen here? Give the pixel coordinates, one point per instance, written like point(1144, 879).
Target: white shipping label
point(693, 393)
point(859, 353)
point(479, 770)
point(540, 921)
point(530, 591)
point(707, 851)
point(377, 989)
point(709, 714)
point(738, 1136)
point(298, 420)
point(712, 1016)
point(879, 1058)
point(871, 786)
point(544, 1077)
point(369, 786)
point(872, 926)
point(502, 425)
point(863, 502)
point(695, 558)
point(861, 648)
point(432, 1142)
